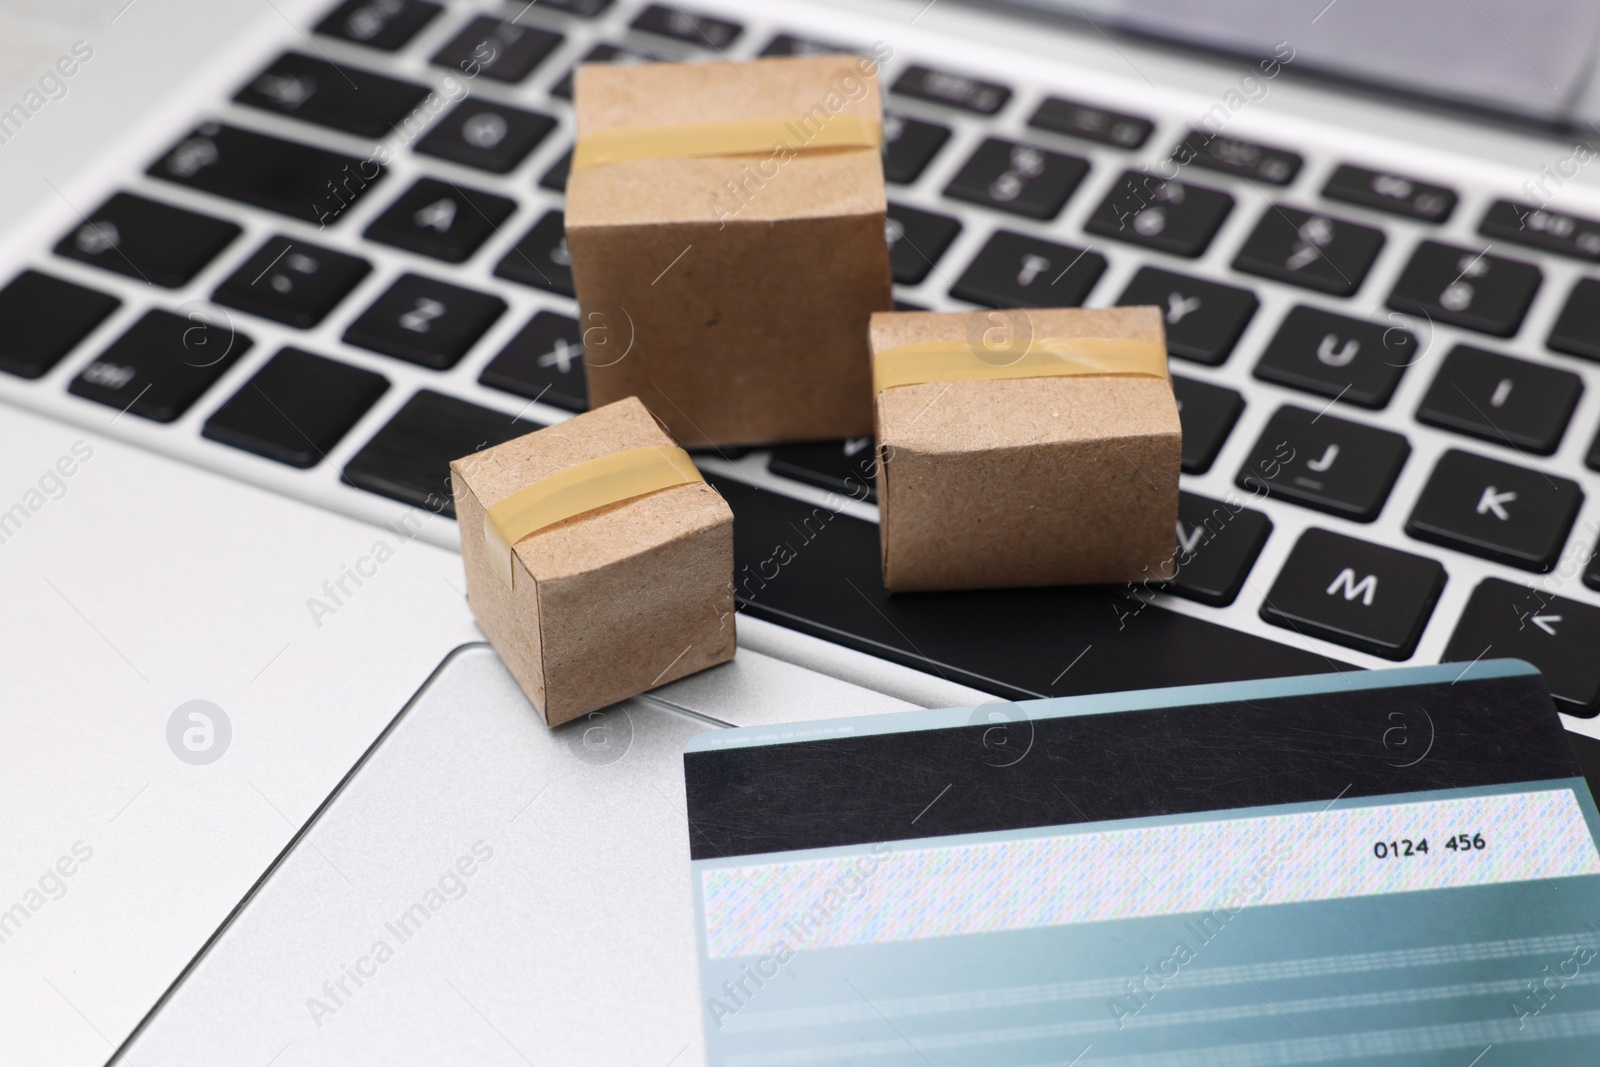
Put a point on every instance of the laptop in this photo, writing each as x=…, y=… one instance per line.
x=269, y=796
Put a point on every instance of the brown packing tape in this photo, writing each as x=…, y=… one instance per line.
x=739, y=138
x=1052, y=357
x=579, y=489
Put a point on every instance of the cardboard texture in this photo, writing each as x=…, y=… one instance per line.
x=608, y=604
x=739, y=287
x=1029, y=481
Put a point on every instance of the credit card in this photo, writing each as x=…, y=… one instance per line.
x=1392, y=866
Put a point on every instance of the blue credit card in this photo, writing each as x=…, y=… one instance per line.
x=1394, y=867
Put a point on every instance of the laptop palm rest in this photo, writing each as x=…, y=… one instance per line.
x=483, y=889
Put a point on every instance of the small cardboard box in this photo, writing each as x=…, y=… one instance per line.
x=1026, y=480
x=613, y=601
x=731, y=293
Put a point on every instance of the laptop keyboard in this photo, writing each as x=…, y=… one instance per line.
x=458, y=277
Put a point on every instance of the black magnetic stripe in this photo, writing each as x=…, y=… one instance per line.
x=1018, y=774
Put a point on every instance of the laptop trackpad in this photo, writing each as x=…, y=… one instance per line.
x=482, y=890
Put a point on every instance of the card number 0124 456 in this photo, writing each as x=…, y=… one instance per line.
x=1405, y=847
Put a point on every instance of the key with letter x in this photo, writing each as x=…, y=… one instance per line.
x=543, y=362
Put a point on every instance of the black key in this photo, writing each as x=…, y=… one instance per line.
x=916, y=241
x=787, y=44
x=293, y=282
x=1591, y=575
x=906, y=305
x=1173, y=217
x=1018, y=178
x=539, y=258
x=543, y=362
x=1391, y=193
x=1091, y=123
x=283, y=176
x=1013, y=642
x=1208, y=413
x=295, y=408
x=441, y=219
x=387, y=25
x=1013, y=270
x=491, y=137
x=1448, y=283
x=1336, y=466
x=586, y=9
x=1538, y=227
x=909, y=145
x=43, y=318
x=1310, y=250
x=1218, y=543
x=1230, y=155
x=425, y=321
x=161, y=365
x=555, y=179
x=848, y=467
x=149, y=240
x=669, y=20
x=1368, y=597
x=497, y=50
x=1557, y=635
x=1577, y=331
x=1593, y=459
x=1203, y=319
x=409, y=459
x=339, y=97
x=616, y=54
x=956, y=90
x=1495, y=510
x=1500, y=399
x=1354, y=361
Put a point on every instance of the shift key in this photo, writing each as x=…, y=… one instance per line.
x=268, y=172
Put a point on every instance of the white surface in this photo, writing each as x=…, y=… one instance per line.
x=574, y=943
x=144, y=585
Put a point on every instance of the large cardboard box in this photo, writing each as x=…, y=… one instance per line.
x=618, y=598
x=731, y=292
x=989, y=480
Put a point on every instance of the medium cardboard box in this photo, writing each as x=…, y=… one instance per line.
x=1028, y=480
x=611, y=602
x=731, y=293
